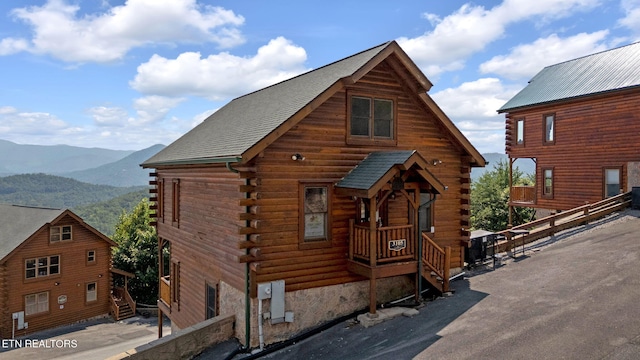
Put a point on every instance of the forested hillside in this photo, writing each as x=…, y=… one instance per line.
x=55, y=191
x=105, y=215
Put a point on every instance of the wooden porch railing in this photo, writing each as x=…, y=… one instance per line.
x=393, y=243
x=121, y=294
x=437, y=260
x=165, y=290
x=522, y=195
x=552, y=224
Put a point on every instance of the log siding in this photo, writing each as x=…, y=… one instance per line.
x=71, y=282
x=591, y=134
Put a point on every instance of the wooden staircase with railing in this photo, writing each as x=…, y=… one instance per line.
x=122, y=304
x=436, y=263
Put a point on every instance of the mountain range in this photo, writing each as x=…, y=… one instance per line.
x=90, y=165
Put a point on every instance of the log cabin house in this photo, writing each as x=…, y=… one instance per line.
x=321, y=195
x=579, y=121
x=54, y=270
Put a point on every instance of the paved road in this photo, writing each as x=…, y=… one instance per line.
x=96, y=339
x=574, y=296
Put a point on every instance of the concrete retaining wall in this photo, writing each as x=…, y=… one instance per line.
x=185, y=343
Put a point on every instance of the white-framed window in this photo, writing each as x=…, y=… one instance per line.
x=42, y=266
x=60, y=233
x=549, y=128
x=36, y=303
x=520, y=132
x=612, y=182
x=91, y=256
x=92, y=291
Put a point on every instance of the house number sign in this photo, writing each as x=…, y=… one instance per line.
x=397, y=245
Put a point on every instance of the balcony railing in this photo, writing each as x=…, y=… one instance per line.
x=165, y=290
x=393, y=243
x=523, y=195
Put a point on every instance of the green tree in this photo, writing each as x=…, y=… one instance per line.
x=490, y=199
x=137, y=252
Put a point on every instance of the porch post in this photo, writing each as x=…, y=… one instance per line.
x=417, y=242
x=373, y=253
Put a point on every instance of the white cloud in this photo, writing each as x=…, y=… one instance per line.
x=151, y=109
x=10, y=46
x=471, y=28
x=112, y=128
x=632, y=15
x=473, y=108
x=222, y=75
x=14, y=122
x=108, y=116
x=60, y=32
x=526, y=60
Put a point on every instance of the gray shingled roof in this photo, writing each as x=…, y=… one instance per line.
x=246, y=120
x=17, y=223
x=372, y=168
x=610, y=70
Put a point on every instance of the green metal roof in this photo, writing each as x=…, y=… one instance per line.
x=602, y=72
x=372, y=168
x=17, y=223
x=246, y=120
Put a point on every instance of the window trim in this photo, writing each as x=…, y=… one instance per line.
x=306, y=244
x=37, y=267
x=519, y=125
x=208, y=285
x=95, y=258
x=175, y=203
x=86, y=292
x=546, y=195
x=604, y=180
x=175, y=283
x=60, y=233
x=545, y=138
x=160, y=200
x=371, y=138
x=43, y=312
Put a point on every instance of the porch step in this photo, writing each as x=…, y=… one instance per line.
x=125, y=311
x=434, y=280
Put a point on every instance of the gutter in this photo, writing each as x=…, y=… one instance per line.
x=195, y=161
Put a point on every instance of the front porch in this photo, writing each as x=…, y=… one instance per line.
x=392, y=192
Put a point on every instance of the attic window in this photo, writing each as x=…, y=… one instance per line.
x=371, y=119
x=60, y=233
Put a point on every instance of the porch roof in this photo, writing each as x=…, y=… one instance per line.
x=379, y=167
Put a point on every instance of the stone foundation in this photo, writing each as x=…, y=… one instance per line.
x=310, y=307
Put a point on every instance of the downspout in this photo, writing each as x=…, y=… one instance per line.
x=247, y=282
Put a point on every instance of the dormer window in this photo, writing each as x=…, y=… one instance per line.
x=60, y=233
x=371, y=119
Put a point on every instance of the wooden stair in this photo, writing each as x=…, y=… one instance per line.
x=125, y=311
x=436, y=263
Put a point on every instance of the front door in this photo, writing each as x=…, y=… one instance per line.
x=425, y=212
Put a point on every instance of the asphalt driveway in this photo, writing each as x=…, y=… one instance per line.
x=572, y=296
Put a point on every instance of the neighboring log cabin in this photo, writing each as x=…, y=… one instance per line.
x=327, y=193
x=54, y=270
x=579, y=121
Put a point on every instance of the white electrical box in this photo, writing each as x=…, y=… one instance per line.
x=277, y=301
x=20, y=317
x=264, y=291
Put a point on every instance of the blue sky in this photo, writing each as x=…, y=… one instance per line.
x=130, y=74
